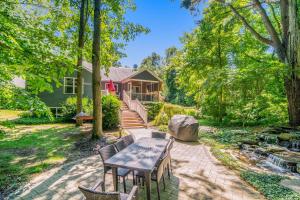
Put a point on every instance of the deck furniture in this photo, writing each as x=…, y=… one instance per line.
x=128, y=139
x=106, y=153
x=158, y=173
x=141, y=156
x=93, y=194
x=168, y=153
x=158, y=134
x=120, y=144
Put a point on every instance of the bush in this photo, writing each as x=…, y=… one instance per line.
x=169, y=110
x=69, y=107
x=14, y=98
x=153, y=109
x=110, y=107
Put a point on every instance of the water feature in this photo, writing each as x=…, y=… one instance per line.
x=295, y=146
x=279, y=164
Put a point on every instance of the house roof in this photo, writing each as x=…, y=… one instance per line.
x=116, y=74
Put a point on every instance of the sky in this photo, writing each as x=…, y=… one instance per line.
x=167, y=22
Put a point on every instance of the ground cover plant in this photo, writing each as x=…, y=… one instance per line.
x=226, y=139
x=25, y=151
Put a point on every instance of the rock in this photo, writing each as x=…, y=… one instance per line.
x=293, y=184
x=184, y=128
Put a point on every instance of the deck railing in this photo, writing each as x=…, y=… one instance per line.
x=137, y=106
x=145, y=96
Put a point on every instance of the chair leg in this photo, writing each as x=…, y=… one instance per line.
x=168, y=168
x=133, y=180
x=103, y=185
x=124, y=184
x=158, y=192
x=163, y=178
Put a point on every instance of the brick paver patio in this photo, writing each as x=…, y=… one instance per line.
x=196, y=175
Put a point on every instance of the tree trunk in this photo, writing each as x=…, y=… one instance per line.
x=292, y=82
x=97, y=104
x=79, y=61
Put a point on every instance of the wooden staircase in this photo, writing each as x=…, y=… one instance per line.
x=130, y=119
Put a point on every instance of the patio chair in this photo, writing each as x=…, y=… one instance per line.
x=120, y=144
x=157, y=174
x=107, y=152
x=92, y=194
x=128, y=139
x=158, y=134
x=168, y=152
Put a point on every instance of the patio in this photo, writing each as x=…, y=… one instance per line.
x=196, y=175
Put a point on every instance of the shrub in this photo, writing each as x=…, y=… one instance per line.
x=14, y=98
x=69, y=107
x=153, y=109
x=169, y=110
x=110, y=107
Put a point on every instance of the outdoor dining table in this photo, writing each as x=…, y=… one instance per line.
x=142, y=156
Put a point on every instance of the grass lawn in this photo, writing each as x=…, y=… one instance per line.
x=225, y=141
x=27, y=150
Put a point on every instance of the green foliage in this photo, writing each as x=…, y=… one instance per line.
x=39, y=151
x=110, y=108
x=269, y=185
x=153, y=108
x=69, y=107
x=230, y=75
x=169, y=110
x=14, y=98
x=35, y=38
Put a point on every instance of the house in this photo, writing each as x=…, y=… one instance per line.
x=141, y=85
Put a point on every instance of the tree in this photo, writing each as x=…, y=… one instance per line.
x=282, y=35
x=82, y=22
x=151, y=62
x=35, y=42
x=97, y=95
x=110, y=26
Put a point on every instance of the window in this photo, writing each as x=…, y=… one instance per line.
x=136, y=89
x=70, y=85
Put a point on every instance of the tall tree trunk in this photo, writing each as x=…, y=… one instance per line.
x=97, y=104
x=79, y=60
x=292, y=82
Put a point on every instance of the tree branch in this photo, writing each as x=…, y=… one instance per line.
x=276, y=19
x=284, y=21
x=268, y=24
x=250, y=28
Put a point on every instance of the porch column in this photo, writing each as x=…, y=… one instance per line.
x=158, y=91
x=141, y=90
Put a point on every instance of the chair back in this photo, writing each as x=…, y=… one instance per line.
x=161, y=167
x=95, y=195
x=128, y=139
x=105, y=153
x=120, y=145
x=158, y=134
x=170, y=144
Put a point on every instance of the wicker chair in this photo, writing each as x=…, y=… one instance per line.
x=157, y=174
x=120, y=144
x=92, y=194
x=107, y=152
x=168, y=156
x=128, y=139
x=158, y=134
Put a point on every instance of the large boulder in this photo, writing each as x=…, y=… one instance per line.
x=184, y=128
